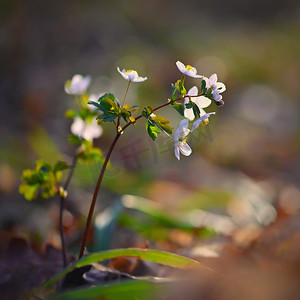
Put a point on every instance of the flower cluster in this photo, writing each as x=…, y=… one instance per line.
x=189, y=104
x=194, y=104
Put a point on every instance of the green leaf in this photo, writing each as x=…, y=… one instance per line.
x=203, y=86
x=179, y=108
x=147, y=111
x=161, y=257
x=125, y=290
x=162, y=123
x=174, y=92
x=107, y=117
x=70, y=113
x=60, y=166
x=152, y=130
x=29, y=191
x=189, y=105
x=196, y=110
x=95, y=104
x=179, y=85
x=74, y=139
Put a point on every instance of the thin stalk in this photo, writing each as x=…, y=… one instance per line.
x=103, y=169
x=61, y=209
x=119, y=118
x=95, y=195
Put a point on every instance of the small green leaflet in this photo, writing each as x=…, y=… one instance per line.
x=153, y=131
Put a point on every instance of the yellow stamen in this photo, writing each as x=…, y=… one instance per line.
x=204, y=122
x=189, y=68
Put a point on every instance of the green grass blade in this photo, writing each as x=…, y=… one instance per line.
x=161, y=257
x=125, y=290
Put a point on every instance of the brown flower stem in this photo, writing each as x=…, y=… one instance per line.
x=98, y=185
x=119, y=118
x=95, y=195
x=61, y=209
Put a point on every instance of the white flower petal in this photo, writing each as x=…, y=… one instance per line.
x=139, y=79
x=185, y=149
x=189, y=114
x=77, y=126
x=177, y=154
x=202, y=112
x=193, y=91
x=202, y=102
x=213, y=79
x=181, y=67
x=202, y=118
x=221, y=87
x=195, y=76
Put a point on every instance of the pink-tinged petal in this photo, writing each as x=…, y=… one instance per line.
x=207, y=82
x=123, y=73
x=77, y=126
x=68, y=87
x=183, y=124
x=177, y=154
x=213, y=79
x=221, y=87
x=202, y=118
x=216, y=96
x=139, y=79
x=193, y=91
x=180, y=66
x=185, y=149
x=195, y=76
x=202, y=102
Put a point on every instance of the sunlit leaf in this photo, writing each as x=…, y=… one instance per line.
x=125, y=290
x=153, y=131
x=161, y=257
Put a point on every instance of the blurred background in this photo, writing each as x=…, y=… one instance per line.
x=245, y=166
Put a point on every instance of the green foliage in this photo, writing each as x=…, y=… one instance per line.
x=74, y=139
x=155, y=123
x=44, y=178
x=109, y=106
x=179, y=85
x=88, y=153
x=153, y=131
x=125, y=290
x=161, y=257
x=203, y=86
x=177, y=106
x=162, y=123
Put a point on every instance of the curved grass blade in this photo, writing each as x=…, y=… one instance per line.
x=125, y=290
x=161, y=257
